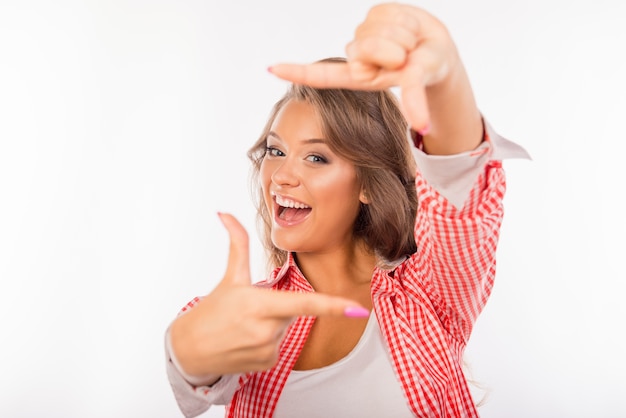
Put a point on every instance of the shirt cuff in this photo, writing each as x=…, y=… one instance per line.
x=194, y=399
x=453, y=176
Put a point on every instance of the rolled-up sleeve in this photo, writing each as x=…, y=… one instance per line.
x=454, y=176
x=194, y=400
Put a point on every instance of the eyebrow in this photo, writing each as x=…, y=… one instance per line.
x=306, y=141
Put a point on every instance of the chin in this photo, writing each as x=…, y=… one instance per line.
x=283, y=246
x=286, y=244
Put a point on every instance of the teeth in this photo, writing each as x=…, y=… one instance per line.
x=290, y=203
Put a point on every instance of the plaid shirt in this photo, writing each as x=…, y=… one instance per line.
x=426, y=306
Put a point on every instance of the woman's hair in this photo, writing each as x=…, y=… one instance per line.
x=367, y=129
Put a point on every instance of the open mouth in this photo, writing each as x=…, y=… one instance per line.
x=290, y=211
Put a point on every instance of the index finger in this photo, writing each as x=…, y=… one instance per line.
x=285, y=304
x=318, y=75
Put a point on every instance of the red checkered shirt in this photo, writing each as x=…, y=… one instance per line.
x=426, y=306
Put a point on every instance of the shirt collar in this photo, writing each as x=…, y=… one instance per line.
x=288, y=271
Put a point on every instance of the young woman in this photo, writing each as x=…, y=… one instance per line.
x=380, y=265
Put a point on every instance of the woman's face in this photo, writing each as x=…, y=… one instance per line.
x=312, y=194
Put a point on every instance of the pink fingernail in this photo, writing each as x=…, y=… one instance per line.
x=425, y=130
x=356, y=312
x=269, y=69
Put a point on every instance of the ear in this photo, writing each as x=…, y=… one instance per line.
x=363, y=197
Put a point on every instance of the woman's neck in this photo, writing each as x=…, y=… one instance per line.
x=340, y=271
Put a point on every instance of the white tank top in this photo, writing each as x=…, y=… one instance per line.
x=362, y=384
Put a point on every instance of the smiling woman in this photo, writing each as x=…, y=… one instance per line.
x=124, y=130
x=365, y=209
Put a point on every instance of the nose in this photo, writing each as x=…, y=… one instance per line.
x=285, y=173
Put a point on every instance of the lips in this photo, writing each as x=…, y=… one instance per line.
x=288, y=211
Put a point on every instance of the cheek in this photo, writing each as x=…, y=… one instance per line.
x=265, y=179
x=340, y=196
x=263, y=172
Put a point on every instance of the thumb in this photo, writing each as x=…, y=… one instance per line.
x=413, y=91
x=238, y=267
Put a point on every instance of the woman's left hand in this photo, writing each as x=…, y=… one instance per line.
x=396, y=45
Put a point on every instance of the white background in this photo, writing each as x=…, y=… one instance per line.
x=123, y=130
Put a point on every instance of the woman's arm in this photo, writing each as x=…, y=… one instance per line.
x=460, y=181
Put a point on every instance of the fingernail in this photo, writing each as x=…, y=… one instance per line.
x=425, y=130
x=219, y=214
x=356, y=312
x=269, y=69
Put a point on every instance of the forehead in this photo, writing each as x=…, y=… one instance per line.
x=298, y=115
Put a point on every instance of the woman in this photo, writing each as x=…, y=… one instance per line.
x=339, y=193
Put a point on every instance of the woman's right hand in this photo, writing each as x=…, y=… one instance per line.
x=238, y=327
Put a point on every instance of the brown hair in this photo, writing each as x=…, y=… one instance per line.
x=367, y=129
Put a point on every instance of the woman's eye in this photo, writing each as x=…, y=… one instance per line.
x=274, y=152
x=316, y=159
